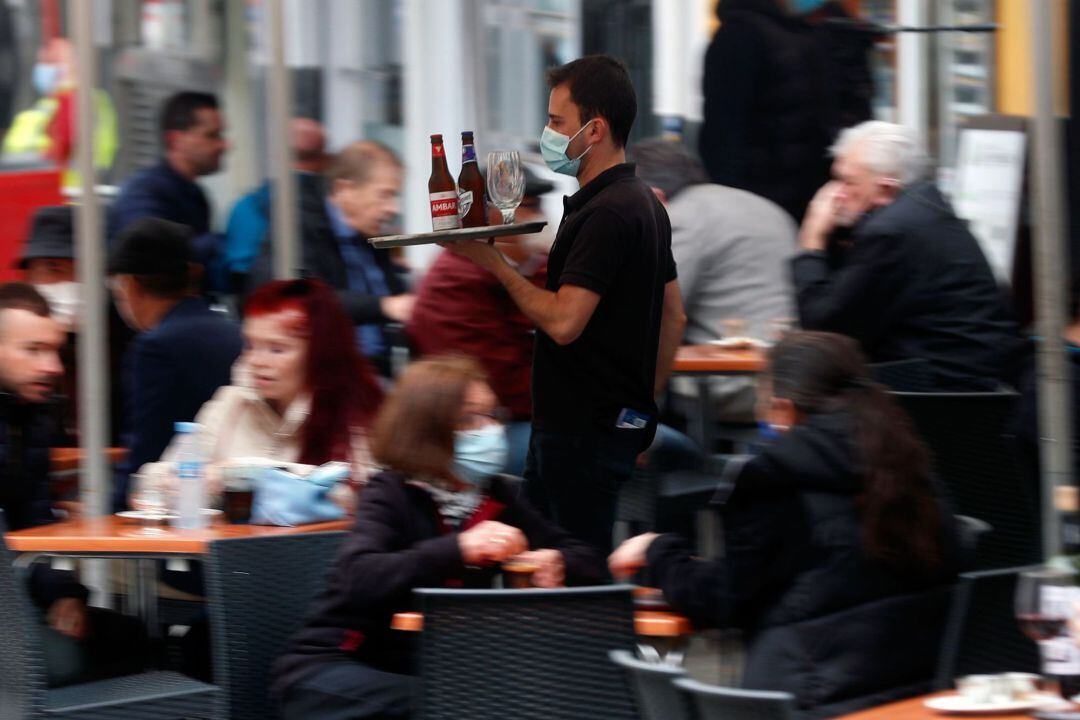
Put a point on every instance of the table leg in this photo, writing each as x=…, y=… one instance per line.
x=663, y=650
x=146, y=591
x=701, y=418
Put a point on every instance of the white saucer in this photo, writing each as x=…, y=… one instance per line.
x=146, y=515
x=960, y=705
x=150, y=516
x=738, y=343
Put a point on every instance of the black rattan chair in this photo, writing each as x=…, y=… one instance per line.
x=975, y=460
x=709, y=702
x=24, y=695
x=259, y=591
x=982, y=635
x=524, y=654
x=912, y=375
x=656, y=696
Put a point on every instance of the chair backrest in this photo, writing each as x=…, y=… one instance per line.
x=982, y=635
x=709, y=702
x=657, y=697
x=911, y=375
x=263, y=587
x=975, y=460
x=22, y=665
x=525, y=654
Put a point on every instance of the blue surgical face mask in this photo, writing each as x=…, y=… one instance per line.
x=553, y=147
x=802, y=7
x=46, y=76
x=480, y=453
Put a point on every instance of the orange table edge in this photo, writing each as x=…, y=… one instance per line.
x=116, y=536
x=66, y=459
x=711, y=359
x=647, y=623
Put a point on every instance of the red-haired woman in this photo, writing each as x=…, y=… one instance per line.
x=301, y=393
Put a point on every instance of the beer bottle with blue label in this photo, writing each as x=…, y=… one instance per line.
x=442, y=192
x=471, y=203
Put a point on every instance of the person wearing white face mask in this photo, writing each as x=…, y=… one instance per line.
x=48, y=263
x=611, y=316
x=436, y=516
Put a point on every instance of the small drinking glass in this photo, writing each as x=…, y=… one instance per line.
x=1043, y=605
x=505, y=182
x=150, y=497
x=777, y=328
x=732, y=328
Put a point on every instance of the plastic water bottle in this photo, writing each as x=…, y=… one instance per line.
x=190, y=464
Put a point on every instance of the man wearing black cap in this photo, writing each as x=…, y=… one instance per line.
x=184, y=351
x=461, y=307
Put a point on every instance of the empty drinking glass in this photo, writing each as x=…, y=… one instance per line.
x=505, y=182
x=150, y=497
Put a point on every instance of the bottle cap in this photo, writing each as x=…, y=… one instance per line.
x=437, y=138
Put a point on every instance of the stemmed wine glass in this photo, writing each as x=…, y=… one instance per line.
x=1043, y=604
x=505, y=182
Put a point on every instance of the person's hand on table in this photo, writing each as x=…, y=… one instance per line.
x=479, y=251
x=67, y=616
x=629, y=557
x=550, y=567
x=491, y=542
x=398, y=307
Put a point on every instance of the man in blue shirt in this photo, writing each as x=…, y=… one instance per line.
x=192, y=130
x=184, y=351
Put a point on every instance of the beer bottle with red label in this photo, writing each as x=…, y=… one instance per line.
x=442, y=192
x=471, y=203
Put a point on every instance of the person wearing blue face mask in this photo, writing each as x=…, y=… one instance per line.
x=436, y=516
x=610, y=316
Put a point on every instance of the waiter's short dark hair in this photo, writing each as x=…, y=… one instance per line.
x=178, y=112
x=600, y=86
x=23, y=296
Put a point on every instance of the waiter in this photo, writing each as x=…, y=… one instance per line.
x=611, y=316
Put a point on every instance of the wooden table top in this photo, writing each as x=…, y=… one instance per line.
x=65, y=459
x=647, y=623
x=913, y=709
x=714, y=360
x=112, y=535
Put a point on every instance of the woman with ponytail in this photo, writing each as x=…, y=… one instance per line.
x=838, y=552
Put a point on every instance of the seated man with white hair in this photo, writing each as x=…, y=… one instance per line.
x=914, y=283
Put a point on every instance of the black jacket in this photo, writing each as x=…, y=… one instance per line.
x=915, y=285
x=169, y=372
x=27, y=431
x=321, y=256
x=396, y=545
x=822, y=620
x=766, y=118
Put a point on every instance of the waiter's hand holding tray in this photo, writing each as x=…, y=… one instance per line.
x=442, y=236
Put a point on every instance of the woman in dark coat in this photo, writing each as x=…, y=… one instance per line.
x=435, y=517
x=838, y=554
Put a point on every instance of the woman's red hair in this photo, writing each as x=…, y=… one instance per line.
x=344, y=392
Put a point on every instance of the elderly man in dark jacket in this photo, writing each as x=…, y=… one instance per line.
x=914, y=283
x=336, y=222
x=80, y=643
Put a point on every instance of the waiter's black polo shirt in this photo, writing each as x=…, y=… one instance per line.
x=615, y=239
